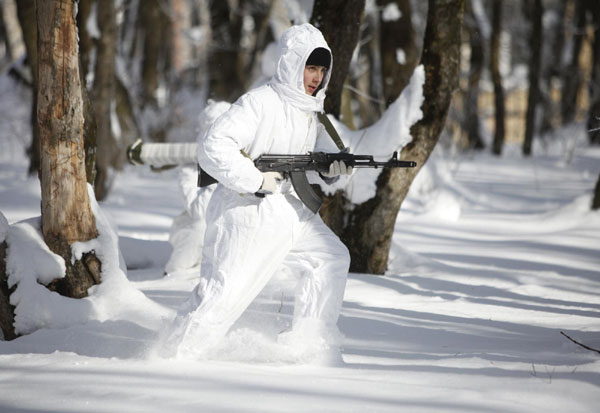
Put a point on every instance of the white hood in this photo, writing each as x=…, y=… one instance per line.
x=295, y=45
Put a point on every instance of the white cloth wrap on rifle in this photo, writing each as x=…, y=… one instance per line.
x=161, y=154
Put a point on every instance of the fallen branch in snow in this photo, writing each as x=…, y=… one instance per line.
x=580, y=344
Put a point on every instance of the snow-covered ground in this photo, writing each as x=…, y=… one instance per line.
x=492, y=259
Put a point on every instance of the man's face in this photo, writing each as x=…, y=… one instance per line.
x=313, y=76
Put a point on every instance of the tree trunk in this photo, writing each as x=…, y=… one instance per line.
x=225, y=63
x=151, y=24
x=7, y=311
x=371, y=225
x=86, y=43
x=572, y=75
x=399, y=49
x=534, y=76
x=340, y=21
x=476, y=62
x=593, y=123
x=596, y=199
x=103, y=94
x=65, y=205
x=11, y=32
x=499, y=111
x=27, y=18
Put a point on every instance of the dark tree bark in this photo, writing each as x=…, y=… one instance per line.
x=369, y=232
x=154, y=30
x=103, y=94
x=339, y=20
x=593, y=123
x=86, y=43
x=27, y=19
x=7, y=311
x=552, y=68
x=572, y=74
x=226, y=67
x=596, y=199
x=499, y=109
x=476, y=63
x=534, y=75
x=397, y=35
x=65, y=205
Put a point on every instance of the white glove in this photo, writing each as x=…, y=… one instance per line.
x=338, y=168
x=270, y=182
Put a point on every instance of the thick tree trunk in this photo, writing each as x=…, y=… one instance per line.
x=499, y=110
x=27, y=18
x=593, y=123
x=399, y=50
x=535, y=66
x=103, y=94
x=66, y=210
x=340, y=21
x=371, y=226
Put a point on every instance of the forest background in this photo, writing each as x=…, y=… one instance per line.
x=495, y=72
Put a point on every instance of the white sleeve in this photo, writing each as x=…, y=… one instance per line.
x=219, y=148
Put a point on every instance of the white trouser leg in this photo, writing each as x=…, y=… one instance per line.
x=322, y=261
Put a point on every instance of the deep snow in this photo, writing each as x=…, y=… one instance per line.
x=492, y=258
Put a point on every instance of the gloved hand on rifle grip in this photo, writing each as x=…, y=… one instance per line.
x=270, y=182
x=337, y=168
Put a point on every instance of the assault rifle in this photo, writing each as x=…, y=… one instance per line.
x=296, y=166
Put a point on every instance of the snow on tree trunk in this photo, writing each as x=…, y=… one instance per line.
x=399, y=50
x=66, y=213
x=499, y=110
x=534, y=76
x=339, y=21
x=372, y=224
x=7, y=311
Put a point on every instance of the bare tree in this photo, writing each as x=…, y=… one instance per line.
x=27, y=19
x=65, y=205
x=593, y=123
x=103, y=96
x=339, y=20
x=399, y=49
x=572, y=73
x=499, y=110
x=596, y=199
x=7, y=310
x=534, y=75
x=226, y=66
x=476, y=63
x=371, y=225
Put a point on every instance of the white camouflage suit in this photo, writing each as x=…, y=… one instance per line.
x=248, y=239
